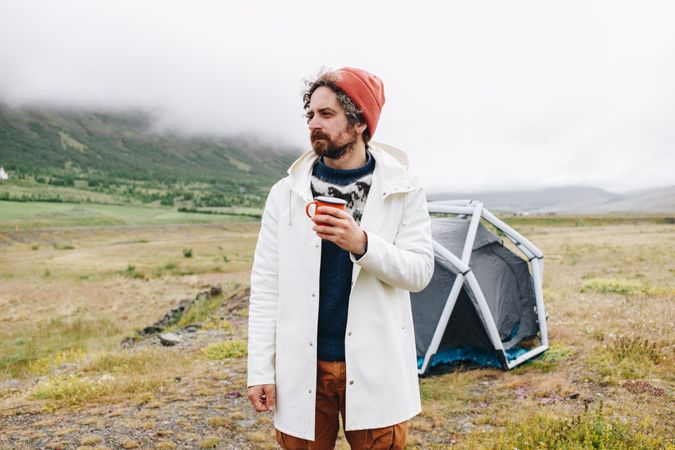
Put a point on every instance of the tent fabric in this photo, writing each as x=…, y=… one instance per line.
x=472, y=355
x=505, y=281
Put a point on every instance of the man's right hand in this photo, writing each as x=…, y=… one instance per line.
x=262, y=397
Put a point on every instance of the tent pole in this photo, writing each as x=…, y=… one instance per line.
x=442, y=322
x=449, y=209
x=471, y=233
x=526, y=356
x=539, y=296
x=510, y=231
x=449, y=303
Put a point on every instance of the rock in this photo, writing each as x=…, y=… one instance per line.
x=169, y=339
x=152, y=330
x=11, y=384
x=467, y=426
x=192, y=328
x=233, y=394
x=130, y=444
x=216, y=290
x=185, y=303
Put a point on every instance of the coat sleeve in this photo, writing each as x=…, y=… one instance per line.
x=262, y=313
x=408, y=262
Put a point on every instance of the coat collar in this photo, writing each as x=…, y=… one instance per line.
x=391, y=171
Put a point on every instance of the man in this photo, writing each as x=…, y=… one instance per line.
x=330, y=324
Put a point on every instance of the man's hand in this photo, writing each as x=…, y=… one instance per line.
x=262, y=397
x=340, y=228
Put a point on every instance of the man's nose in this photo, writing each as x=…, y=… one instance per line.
x=314, y=123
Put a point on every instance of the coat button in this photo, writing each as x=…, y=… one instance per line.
x=351, y=381
x=310, y=344
x=310, y=391
x=349, y=334
x=313, y=294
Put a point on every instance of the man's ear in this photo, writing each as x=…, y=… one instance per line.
x=360, y=128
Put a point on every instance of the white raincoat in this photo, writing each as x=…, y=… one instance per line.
x=382, y=385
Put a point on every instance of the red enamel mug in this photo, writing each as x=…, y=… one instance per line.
x=325, y=201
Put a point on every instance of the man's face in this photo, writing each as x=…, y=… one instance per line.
x=331, y=133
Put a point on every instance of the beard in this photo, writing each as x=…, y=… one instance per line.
x=324, y=145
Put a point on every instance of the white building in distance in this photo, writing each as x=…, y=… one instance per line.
x=3, y=174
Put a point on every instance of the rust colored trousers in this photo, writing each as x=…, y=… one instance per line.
x=330, y=404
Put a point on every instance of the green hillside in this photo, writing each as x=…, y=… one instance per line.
x=118, y=155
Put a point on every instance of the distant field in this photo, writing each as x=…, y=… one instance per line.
x=76, y=279
x=23, y=215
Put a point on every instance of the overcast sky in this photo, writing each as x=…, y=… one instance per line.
x=481, y=94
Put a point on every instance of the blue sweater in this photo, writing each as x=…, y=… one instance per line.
x=336, y=266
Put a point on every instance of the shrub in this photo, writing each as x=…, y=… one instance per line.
x=130, y=272
x=58, y=246
x=187, y=252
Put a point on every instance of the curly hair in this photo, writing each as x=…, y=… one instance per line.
x=353, y=112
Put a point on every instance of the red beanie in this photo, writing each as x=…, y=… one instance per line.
x=366, y=91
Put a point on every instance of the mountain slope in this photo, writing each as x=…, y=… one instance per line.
x=88, y=144
x=573, y=199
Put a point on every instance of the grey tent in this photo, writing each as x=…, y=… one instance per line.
x=485, y=305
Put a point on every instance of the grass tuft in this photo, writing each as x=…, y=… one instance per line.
x=621, y=287
x=210, y=442
x=626, y=358
x=635, y=348
x=111, y=376
x=595, y=430
x=226, y=349
x=22, y=352
x=130, y=272
x=138, y=362
x=627, y=288
x=58, y=246
x=550, y=358
x=47, y=364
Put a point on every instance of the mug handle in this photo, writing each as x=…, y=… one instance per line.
x=307, y=208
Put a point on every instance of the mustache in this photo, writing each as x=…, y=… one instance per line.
x=318, y=134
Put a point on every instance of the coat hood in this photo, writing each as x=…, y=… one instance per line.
x=391, y=169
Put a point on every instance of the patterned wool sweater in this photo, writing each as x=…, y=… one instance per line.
x=336, y=267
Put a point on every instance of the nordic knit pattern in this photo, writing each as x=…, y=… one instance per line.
x=336, y=267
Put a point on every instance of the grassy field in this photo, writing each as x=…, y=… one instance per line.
x=25, y=215
x=76, y=280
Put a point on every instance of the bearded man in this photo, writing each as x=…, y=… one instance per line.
x=330, y=323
